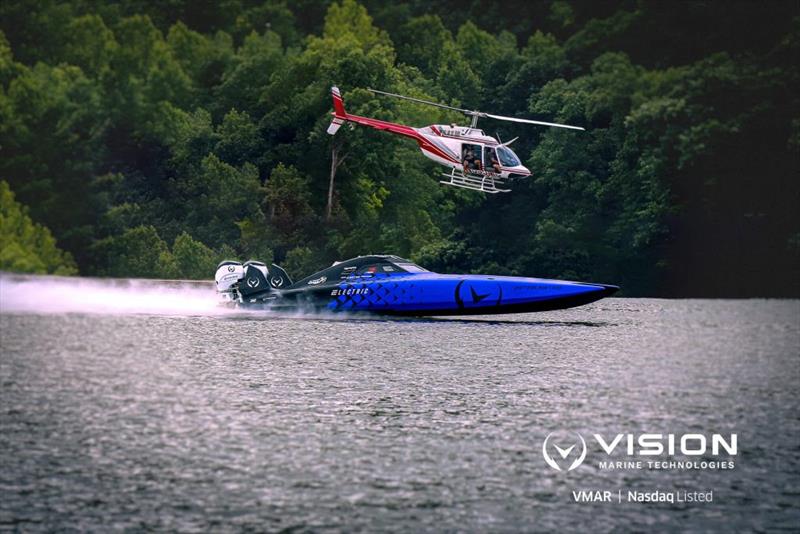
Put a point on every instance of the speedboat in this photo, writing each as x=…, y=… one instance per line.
x=391, y=285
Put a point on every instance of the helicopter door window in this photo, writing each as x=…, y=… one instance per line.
x=471, y=157
x=490, y=160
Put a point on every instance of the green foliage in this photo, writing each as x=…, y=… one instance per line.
x=141, y=253
x=351, y=19
x=288, y=200
x=214, y=199
x=193, y=259
x=248, y=71
x=25, y=246
x=272, y=14
x=301, y=262
x=138, y=252
x=90, y=45
x=130, y=125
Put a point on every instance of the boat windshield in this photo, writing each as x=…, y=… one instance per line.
x=507, y=157
x=411, y=267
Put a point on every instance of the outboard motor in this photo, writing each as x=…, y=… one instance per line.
x=278, y=278
x=255, y=279
x=227, y=277
x=249, y=282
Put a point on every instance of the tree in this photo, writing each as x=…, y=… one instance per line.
x=194, y=260
x=337, y=158
x=212, y=201
x=128, y=125
x=288, y=206
x=50, y=135
x=25, y=246
x=247, y=72
x=138, y=253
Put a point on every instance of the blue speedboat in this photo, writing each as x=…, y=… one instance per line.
x=395, y=286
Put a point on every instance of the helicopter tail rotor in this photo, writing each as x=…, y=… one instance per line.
x=339, y=115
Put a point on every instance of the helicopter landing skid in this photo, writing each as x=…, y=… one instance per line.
x=485, y=183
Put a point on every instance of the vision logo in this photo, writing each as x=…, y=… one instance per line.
x=557, y=454
x=252, y=282
x=565, y=451
x=477, y=297
x=276, y=281
x=470, y=294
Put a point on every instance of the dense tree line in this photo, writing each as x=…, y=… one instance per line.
x=154, y=139
x=25, y=246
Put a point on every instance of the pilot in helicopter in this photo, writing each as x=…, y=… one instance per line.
x=492, y=163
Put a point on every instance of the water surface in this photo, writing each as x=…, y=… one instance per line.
x=157, y=414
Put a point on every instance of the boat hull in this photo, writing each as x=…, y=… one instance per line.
x=430, y=294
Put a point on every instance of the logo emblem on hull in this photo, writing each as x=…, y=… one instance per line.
x=276, y=282
x=563, y=453
x=475, y=296
x=493, y=295
x=231, y=268
x=252, y=282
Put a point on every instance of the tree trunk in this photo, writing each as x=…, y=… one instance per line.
x=334, y=165
x=336, y=160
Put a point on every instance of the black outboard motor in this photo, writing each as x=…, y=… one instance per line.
x=255, y=279
x=278, y=278
x=249, y=282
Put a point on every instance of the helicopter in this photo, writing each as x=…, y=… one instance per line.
x=477, y=161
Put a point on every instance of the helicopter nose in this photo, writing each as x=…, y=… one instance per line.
x=520, y=172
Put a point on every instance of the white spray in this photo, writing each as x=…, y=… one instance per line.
x=54, y=294
x=121, y=296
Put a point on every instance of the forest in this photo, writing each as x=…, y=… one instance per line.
x=153, y=139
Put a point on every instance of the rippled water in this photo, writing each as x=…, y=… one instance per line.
x=155, y=416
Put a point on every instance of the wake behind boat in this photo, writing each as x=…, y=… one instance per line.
x=394, y=286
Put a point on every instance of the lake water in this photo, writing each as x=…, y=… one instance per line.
x=140, y=406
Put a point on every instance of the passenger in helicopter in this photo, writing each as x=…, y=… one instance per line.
x=492, y=163
x=470, y=158
x=467, y=158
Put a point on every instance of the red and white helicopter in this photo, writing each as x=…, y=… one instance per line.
x=477, y=161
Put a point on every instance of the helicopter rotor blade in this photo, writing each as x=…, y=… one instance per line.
x=464, y=111
x=529, y=121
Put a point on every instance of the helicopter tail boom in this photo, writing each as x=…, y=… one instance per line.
x=340, y=116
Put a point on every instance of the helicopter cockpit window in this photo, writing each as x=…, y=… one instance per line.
x=471, y=156
x=507, y=157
